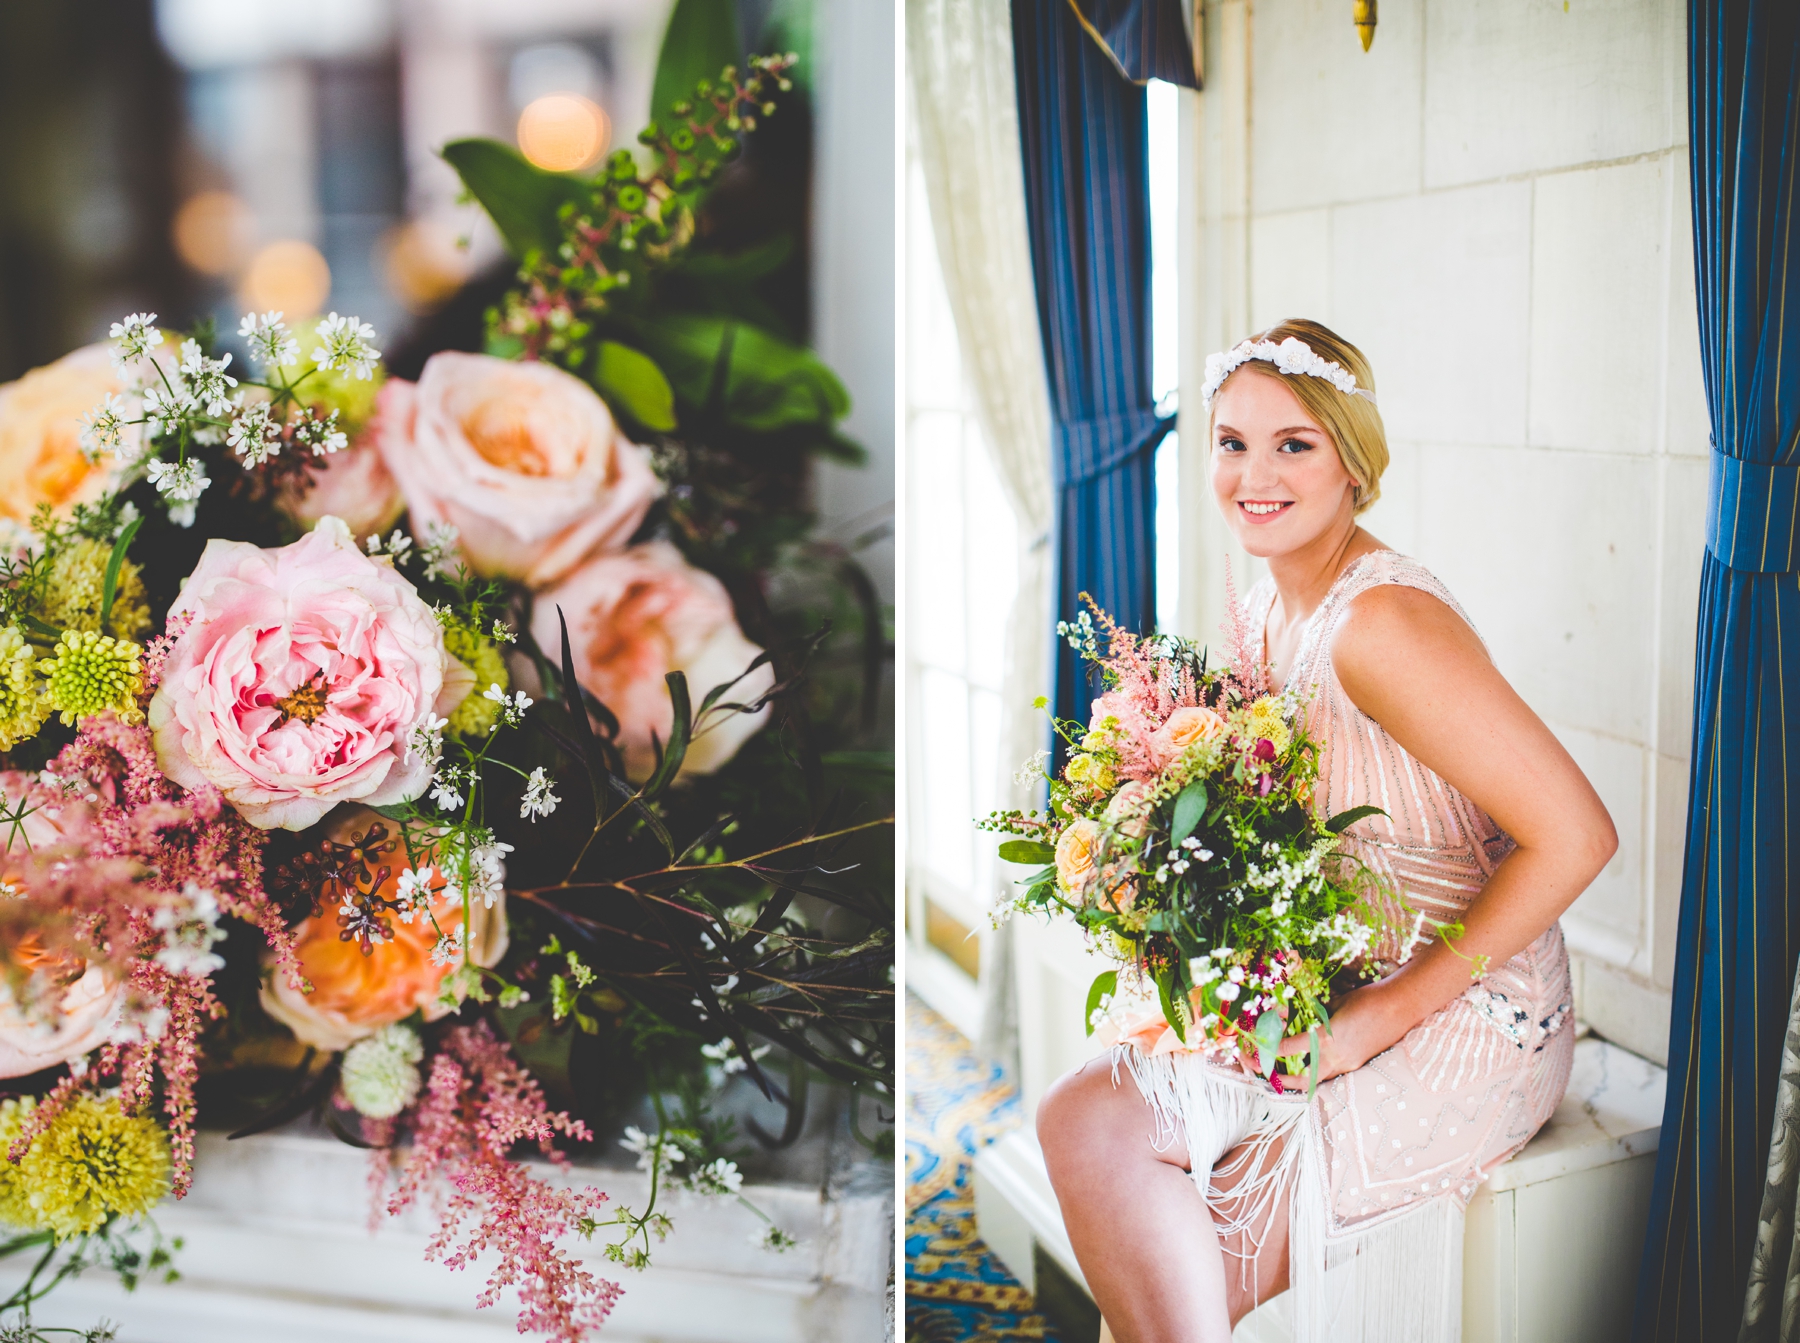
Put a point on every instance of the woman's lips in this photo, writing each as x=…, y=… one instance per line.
x=1261, y=511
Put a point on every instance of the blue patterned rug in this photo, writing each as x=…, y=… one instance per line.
x=956, y=1291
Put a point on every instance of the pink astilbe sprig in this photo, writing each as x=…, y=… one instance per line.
x=178, y=835
x=478, y=1103
x=1143, y=689
x=1245, y=661
x=131, y=846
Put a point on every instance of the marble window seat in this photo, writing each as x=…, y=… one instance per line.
x=278, y=1249
x=1551, y=1246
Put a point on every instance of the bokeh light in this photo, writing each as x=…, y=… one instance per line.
x=422, y=263
x=213, y=232
x=289, y=277
x=563, y=131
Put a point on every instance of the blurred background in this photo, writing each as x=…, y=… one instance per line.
x=204, y=157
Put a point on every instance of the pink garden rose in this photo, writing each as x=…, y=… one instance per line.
x=300, y=679
x=354, y=485
x=523, y=459
x=633, y=618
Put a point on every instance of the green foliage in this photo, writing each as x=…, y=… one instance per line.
x=631, y=382
x=701, y=40
x=524, y=201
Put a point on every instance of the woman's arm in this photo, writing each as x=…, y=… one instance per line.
x=1413, y=665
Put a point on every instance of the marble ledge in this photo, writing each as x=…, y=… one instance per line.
x=1612, y=1111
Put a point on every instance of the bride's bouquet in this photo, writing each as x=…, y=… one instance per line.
x=1181, y=834
x=471, y=763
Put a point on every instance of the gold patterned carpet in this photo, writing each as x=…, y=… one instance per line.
x=956, y=1291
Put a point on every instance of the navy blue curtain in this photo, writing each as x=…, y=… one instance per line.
x=1740, y=899
x=1082, y=134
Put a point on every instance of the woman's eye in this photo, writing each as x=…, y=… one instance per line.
x=1296, y=445
x=1230, y=445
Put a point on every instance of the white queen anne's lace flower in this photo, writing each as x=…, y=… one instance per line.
x=1292, y=356
x=538, y=799
x=189, y=930
x=136, y=336
x=208, y=385
x=344, y=346
x=254, y=435
x=103, y=430
x=271, y=344
x=181, y=482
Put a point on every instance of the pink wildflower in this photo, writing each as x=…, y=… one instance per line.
x=477, y=1104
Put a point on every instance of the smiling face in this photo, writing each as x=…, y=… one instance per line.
x=1276, y=475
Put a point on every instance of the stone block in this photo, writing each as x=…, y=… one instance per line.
x=1611, y=910
x=1599, y=243
x=1553, y=555
x=1519, y=86
x=1667, y=856
x=1436, y=291
x=1330, y=123
x=1395, y=516
x=1688, y=424
x=1682, y=551
x=1290, y=267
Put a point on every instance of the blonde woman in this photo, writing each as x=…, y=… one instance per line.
x=1191, y=1192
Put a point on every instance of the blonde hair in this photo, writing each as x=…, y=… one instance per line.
x=1353, y=422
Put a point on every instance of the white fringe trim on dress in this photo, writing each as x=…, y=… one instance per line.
x=1399, y=1281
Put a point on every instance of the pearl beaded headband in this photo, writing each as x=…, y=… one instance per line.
x=1292, y=356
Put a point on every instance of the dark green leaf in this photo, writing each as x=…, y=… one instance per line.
x=520, y=199
x=1267, y=1036
x=1190, y=806
x=1165, y=994
x=632, y=383
x=700, y=41
x=681, y=728
x=1344, y=819
x=1105, y=983
x=1027, y=851
x=113, y=565
x=760, y=381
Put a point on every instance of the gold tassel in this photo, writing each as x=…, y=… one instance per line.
x=1364, y=17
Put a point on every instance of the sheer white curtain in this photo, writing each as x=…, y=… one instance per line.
x=961, y=67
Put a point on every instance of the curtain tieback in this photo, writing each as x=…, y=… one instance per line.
x=1083, y=449
x=1753, y=515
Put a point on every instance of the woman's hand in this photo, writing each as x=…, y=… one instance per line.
x=1364, y=1022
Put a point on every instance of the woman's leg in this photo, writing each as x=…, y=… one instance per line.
x=1147, y=1243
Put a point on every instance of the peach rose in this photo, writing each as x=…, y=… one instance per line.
x=300, y=680
x=41, y=415
x=356, y=995
x=633, y=618
x=523, y=459
x=1184, y=728
x=353, y=485
x=1126, y=810
x=1076, y=855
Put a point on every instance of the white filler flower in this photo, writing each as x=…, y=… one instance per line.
x=381, y=1074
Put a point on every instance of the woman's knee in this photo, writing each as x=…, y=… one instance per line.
x=1077, y=1110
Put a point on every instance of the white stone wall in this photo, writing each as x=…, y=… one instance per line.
x=1493, y=203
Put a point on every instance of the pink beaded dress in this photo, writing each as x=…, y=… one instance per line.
x=1381, y=1163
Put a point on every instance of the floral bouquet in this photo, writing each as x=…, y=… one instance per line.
x=470, y=763
x=1181, y=834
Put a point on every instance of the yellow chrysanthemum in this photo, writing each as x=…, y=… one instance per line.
x=1266, y=721
x=24, y=702
x=73, y=596
x=90, y=673
x=1089, y=771
x=93, y=1162
x=476, y=715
